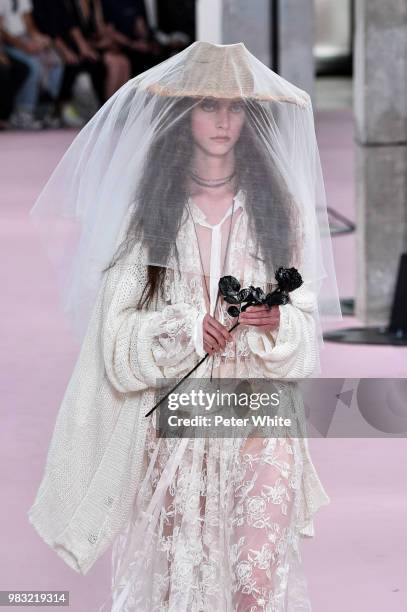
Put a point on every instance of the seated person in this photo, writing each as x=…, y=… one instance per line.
x=57, y=20
x=92, y=40
x=25, y=43
x=131, y=30
x=12, y=76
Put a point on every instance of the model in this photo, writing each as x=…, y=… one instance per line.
x=203, y=167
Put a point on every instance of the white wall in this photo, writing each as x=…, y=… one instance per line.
x=209, y=21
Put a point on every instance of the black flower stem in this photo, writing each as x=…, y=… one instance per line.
x=234, y=326
x=185, y=377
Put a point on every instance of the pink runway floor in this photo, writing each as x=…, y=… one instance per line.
x=357, y=560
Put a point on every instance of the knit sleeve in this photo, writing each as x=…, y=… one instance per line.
x=141, y=346
x=291, y=350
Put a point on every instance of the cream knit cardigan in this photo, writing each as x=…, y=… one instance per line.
x=95, y=457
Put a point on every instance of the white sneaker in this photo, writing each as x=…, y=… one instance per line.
x=24, y=120
x=52, y=122
x=71, y=117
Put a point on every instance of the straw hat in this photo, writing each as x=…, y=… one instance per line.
x=219, y=71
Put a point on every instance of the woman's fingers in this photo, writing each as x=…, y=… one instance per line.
x=211, y=344
x=215, y=328
x=208, y=349
x=215, y=335
x=211, y=341
x=261, y=316
x=256, y=317
x=219, y=328
x=257, y=311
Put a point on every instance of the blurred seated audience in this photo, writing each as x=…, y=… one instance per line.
x=128, y=20
x=25, y=43
x=86, y=45
x=48, y=44
x=58, y=19
x=89, y=39
x=12, y=75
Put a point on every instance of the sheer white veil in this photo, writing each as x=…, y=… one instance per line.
x=122, y=176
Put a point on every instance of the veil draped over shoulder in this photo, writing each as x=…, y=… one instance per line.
x=124, y=177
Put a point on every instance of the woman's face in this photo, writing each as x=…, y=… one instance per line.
x=216, y=125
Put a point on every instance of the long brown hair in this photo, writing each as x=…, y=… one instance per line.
x=256, y=174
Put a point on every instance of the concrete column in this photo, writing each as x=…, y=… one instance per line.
x=251, y=22
x=380, y=94
x=296, y=43
x=208, y=19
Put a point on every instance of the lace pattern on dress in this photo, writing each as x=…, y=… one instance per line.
x=225, y=535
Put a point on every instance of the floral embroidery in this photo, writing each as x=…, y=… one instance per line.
x=226, y=538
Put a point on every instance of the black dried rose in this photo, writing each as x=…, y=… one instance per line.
x=232, y=298
x=228, y=285
x=243, y=294
x=260, y=295
x=233, y=311
x=256, y=295
x=276, y=298
x=288, y=279
x=250, y=295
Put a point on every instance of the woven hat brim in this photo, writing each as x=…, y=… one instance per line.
x=161, y=90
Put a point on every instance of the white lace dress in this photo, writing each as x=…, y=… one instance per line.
x=216, y=523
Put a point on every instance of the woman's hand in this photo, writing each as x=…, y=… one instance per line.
x=140, y=45
x=30, y=46
x=262, y=317
x=42, y=40
x=70, y=57
x=4, y=60
x=215, y=335
x=88, y=53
